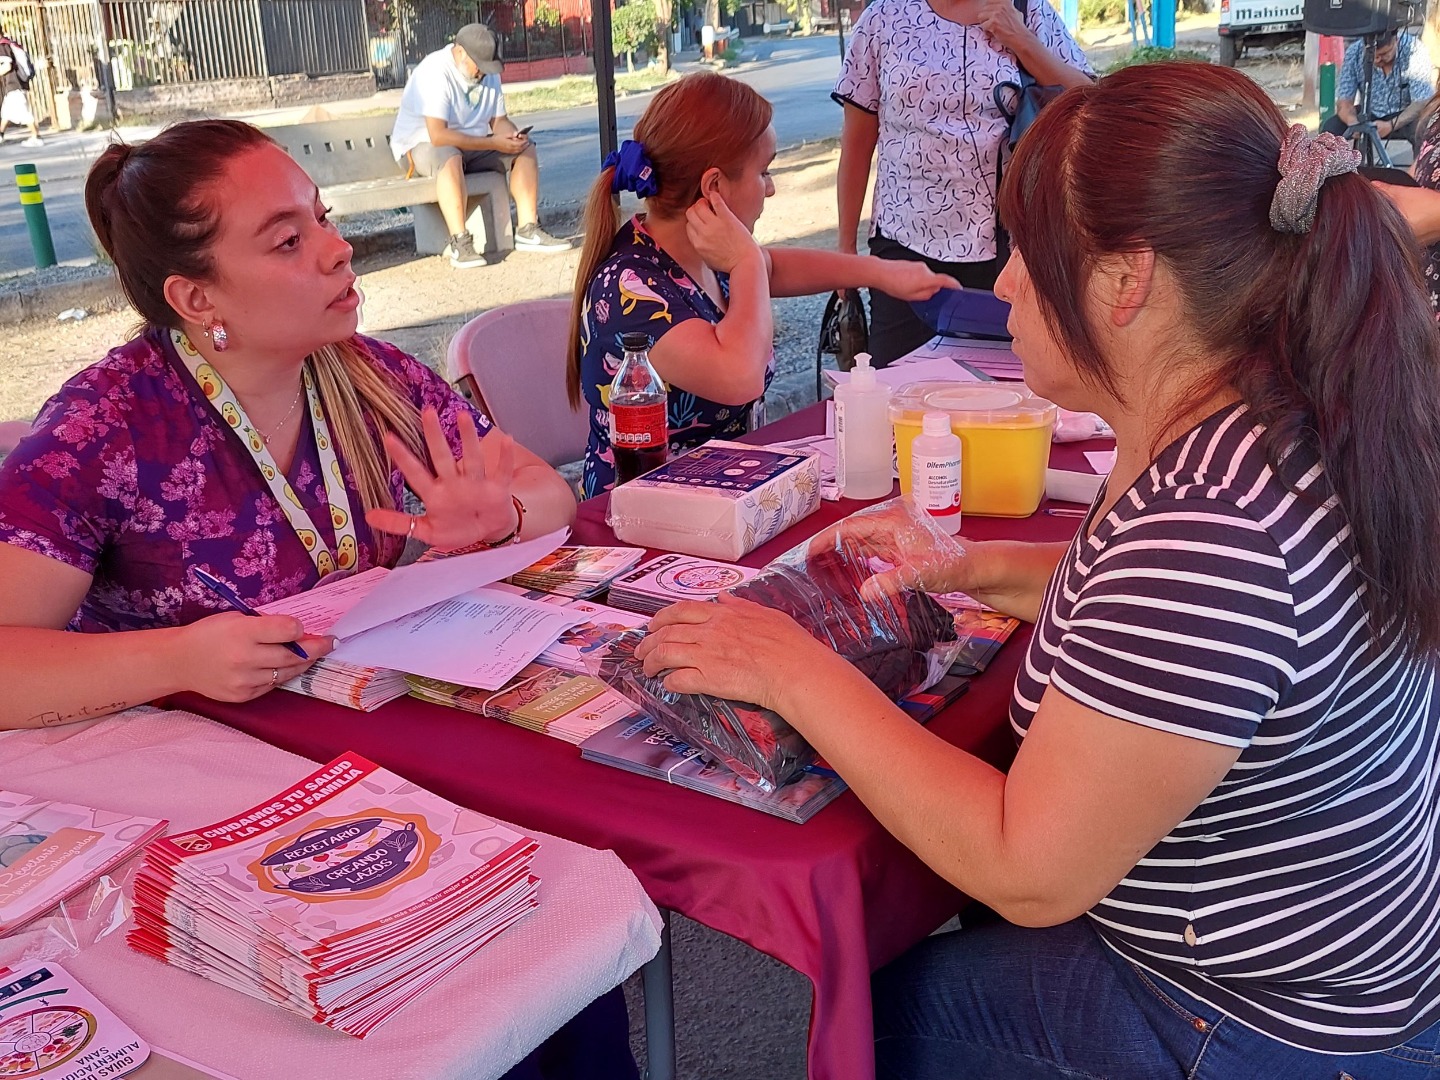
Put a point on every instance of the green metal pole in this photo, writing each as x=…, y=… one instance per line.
x=1327, y=92
x=28, y=181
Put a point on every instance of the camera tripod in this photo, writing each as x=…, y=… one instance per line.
x=1372, y=146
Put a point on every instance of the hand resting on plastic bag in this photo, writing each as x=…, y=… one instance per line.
x=712, y=674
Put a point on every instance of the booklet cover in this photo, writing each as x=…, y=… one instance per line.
x=49, y=850
x=544, y=699
x=670, y=578
x=578, y=571
x=602, y=625
x=52, y=1028
x=981, y=631
x=347, y=848
x=637, y=744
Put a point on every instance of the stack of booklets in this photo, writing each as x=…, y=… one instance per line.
x=580, y=572
x=352, y=685
x=639, y=745
x=341, y=898
x=51, y=850
x=544, y=699
x=602, y=625
x=669, y=578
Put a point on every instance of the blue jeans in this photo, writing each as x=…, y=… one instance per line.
x=1003, y=1002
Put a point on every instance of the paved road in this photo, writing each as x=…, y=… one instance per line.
x=796, y=74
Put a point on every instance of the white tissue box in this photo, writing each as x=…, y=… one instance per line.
x=719, y=501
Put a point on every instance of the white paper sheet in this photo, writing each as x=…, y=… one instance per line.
x=937, y=368
x=413, y=588
x=1102, y=461
x=480, y=638
x=320, y=608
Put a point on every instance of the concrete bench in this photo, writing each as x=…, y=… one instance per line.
x=350, y=161
x=784, y=26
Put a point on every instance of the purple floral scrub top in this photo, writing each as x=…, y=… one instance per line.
x=639, y=288
x=130, y=475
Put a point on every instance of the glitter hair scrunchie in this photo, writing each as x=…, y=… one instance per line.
x=633, y=171
x=1306, y=162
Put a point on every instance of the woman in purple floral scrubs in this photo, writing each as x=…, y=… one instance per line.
x=247, y=431
x=689, y=273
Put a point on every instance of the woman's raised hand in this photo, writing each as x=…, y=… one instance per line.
x=467, y=499
x=718, y=235
x=907, y=280
x=237, y=657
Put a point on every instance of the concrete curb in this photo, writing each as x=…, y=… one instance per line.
x=44, y=301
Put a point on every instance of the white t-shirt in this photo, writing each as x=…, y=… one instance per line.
x=438, y=89
x=931, y=83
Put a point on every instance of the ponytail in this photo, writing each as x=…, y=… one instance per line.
x=602, y=222
x=1355, y=374
x=1326, y=335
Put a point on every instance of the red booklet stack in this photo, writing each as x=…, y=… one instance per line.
x=341, y=898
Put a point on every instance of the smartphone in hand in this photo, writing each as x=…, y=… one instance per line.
x=525, y=130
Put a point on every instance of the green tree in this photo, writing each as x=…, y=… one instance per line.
x=632, y=28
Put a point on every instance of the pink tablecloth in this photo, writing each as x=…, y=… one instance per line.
x=834, y=898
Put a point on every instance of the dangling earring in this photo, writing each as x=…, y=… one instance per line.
x=216, y=333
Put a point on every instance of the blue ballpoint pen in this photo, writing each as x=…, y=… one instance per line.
x=220, y=589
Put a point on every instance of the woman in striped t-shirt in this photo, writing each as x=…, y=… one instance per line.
x=1216, y=848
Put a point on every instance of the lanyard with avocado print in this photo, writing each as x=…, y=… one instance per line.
x=224, y=402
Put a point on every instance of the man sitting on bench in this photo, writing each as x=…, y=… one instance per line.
x=452, y=121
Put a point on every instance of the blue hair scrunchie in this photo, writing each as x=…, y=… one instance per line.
x=633, y=171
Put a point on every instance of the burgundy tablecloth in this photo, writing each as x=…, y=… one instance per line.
x=834, y=898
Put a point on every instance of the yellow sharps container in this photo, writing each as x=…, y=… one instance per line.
x=1004, y=434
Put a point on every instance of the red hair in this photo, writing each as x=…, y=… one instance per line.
x=699, y=122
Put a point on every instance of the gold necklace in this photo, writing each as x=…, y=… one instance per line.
x=293, y=406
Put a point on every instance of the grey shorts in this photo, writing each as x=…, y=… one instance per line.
x=429, y=159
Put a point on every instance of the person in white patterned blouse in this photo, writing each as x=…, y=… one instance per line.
x=918, y=87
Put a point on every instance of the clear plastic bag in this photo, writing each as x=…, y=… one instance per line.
x=76, y=923
x=898, y=636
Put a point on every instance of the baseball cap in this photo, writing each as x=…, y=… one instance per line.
x=480, y=45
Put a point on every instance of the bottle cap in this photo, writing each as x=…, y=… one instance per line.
x=935, y=423
x=634, y=341
x=862, y=375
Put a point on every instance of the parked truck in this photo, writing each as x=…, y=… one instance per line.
x=1258, y=22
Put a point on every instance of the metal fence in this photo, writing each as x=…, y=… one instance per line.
x=162, y=42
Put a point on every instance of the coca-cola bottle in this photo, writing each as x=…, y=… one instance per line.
x=639, y=431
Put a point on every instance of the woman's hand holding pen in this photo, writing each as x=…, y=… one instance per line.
x=467, y=499
x=236, y=657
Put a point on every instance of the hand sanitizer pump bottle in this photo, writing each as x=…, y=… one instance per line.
x=864, y=440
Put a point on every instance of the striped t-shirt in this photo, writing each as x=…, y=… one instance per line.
x=1302, y=897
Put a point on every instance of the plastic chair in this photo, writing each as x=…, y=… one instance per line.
x=511, y=363
x=11, y=432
